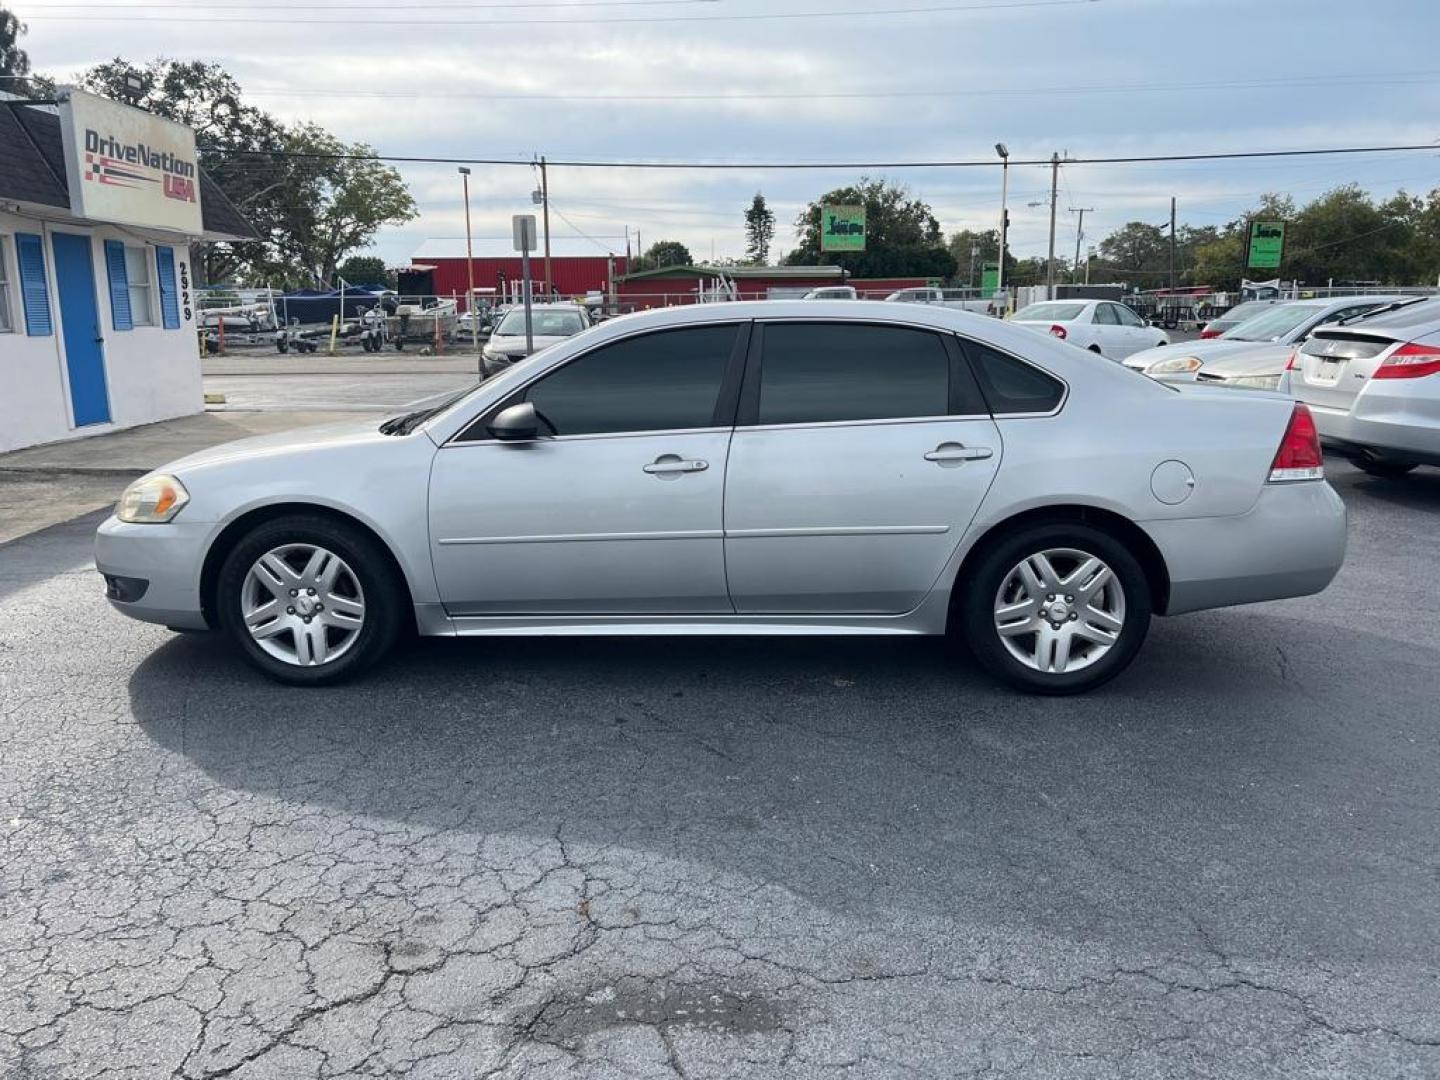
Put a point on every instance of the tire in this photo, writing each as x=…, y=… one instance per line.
x=1096, y=350
x=365, y=582
x=1388, y=470
x=1122, y=598
x=282, y=346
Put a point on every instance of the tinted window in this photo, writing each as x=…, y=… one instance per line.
x=1127, y=317
x=1011, y=386
x=812, y=372
x=1427, y=311
x=657, y=382
x=1105, y=313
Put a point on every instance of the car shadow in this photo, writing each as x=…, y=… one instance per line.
x=862, y=772
x=30, y=559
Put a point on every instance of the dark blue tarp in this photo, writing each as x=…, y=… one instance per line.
x=322, y=305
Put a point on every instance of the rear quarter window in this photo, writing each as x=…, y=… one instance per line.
x=1010, y=385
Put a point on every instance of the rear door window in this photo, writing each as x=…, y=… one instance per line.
x=825, y=372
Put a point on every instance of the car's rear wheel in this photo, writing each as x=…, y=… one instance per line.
x=1387, y=469
x=309, y=599
x=1056, y=608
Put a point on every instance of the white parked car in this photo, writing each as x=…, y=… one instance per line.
x=1102, y=326
x=832, y=292
x=549, y=323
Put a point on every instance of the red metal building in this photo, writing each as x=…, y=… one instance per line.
x=578, y=266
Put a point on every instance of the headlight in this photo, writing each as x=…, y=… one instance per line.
x=1174, y=365
x=1255, y=382
x=152, y=500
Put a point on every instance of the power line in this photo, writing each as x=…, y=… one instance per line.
x=389, y=7
x=857, y=95
x=984, y=163
x=746, y=17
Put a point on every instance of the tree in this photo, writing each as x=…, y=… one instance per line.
x=1138, y=250
x=902, y=235
x=759, y=230
x=665, y=253
x=15, y=76
x=365, y=270
x=336, y=197
x=984, y=246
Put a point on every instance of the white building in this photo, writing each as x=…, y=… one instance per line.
x=99, y=203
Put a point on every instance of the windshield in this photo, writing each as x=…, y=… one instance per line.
x=1049, y=312
x=405, y=423
x=544, y=323
x=1404, y=315
x=1272, y=324
x=1240, y=312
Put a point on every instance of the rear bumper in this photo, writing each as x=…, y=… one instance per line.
x=1390, y=425
x=167, y=558
x=1290, y=543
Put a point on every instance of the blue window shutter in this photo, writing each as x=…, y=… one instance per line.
x=34, y=289
x=169, y=299
x=119, y=285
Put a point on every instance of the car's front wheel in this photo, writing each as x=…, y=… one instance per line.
x=1056, y=608
x=310, y=600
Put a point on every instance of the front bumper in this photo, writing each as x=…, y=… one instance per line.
x=167, y=558
x=1290, y=543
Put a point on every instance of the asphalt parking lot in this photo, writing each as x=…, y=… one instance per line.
x=728, y=858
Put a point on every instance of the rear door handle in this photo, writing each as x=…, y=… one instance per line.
x=956, y=452
x=674, y=464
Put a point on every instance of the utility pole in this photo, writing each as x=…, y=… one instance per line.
x=1054, y=194
x=973, y=249
x=545, y=211
x=1172, y=244
x=1080, y=235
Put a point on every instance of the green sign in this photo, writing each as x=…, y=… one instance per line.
x=1267, y=244
x=989, y=278
x=842, y=228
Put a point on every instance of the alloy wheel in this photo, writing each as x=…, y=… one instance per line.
x=1059, y=610
x=302, y=604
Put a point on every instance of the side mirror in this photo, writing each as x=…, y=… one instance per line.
x=517, y=423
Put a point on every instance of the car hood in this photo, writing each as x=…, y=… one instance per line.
x=280, y=443
x=1264, y=360
x=1204, y=351
x=505, y=343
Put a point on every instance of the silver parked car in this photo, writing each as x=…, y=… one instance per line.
x=1374, y=387
x=1283, y=325
x=778, y=467
x=549, y=323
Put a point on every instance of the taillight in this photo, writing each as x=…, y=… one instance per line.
x=1411, y=361
x=1208, y=333
x=1058, y=331
x=1299, y=455
x=1292, y=363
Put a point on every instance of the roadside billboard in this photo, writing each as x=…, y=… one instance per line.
x=129, y=167
x=842, y=228
x=989, y=278
x=1267, y=244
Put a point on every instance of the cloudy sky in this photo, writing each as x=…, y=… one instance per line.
x=747, y=81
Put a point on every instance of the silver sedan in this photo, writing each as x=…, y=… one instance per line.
x=752, y=468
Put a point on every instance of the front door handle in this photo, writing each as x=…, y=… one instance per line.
x=669, y=466
x=951, y=453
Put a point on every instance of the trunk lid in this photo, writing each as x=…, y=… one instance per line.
x=1333, y=366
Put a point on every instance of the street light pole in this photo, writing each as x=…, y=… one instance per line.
x=1004, y=153
x=470, y=269
x=545, y=212
x=1054, y=194
x=1079, y=235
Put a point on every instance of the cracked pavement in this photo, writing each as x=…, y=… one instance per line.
x=727, y=858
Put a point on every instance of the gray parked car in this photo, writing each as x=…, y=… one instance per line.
x=779, y=467
x=1374, y=387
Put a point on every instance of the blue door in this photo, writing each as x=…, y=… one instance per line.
x=80, y=328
